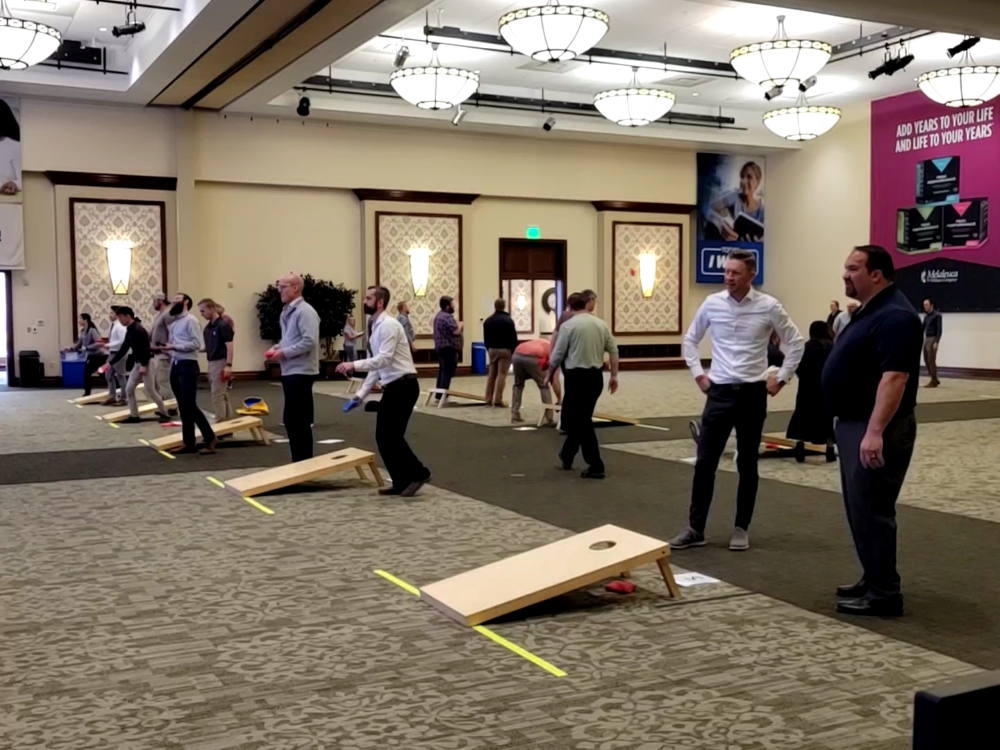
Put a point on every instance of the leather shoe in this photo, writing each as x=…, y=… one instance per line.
x=390, y=490
x=592, y=474
x=853, y=591
x=866, y=606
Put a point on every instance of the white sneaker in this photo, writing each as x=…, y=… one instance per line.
x=740, y=540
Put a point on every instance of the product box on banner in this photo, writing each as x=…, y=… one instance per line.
x=966, y=224
x=920, y=229
x=938, y=180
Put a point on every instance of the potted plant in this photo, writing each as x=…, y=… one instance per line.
x=333, y=303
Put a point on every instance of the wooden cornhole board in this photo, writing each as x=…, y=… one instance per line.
x=485, y=593
x=150, y=408
x=353, y=384
x=100, y=398
x=786, y=443
x=305, y=471
x=253, y=424
x=446, y=394
x=546, y=408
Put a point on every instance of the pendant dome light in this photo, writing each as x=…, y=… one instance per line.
x=782, y=60
x=636, y=105
x=435, y=86
x=964, y=85
x=24, y=43
x=803, y=122
x=553, y=32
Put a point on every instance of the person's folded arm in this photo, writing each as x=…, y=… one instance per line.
x=789, y=334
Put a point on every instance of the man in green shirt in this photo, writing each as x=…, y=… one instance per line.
x=580, y=348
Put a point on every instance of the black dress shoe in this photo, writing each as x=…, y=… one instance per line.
x=591, y=474
x=868, y=607
x=563, y=466
x=389, y=491
x=854, y=591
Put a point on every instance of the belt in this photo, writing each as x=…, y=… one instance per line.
x=739, y=386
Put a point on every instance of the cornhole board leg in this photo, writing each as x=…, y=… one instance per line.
x=579, y=561
x=119, y=416
x=668, y=577
x=554, y=409
x=301, y=471
x=441, y=393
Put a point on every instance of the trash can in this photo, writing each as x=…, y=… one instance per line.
x=479, y=359
x=29, y=366
x=73, y=366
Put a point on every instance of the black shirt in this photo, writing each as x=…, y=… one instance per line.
x=217, y=334
x=883, y=336
x=499, y=332
x=136, y=341
x=932, y=324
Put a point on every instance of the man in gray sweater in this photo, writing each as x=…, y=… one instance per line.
x=185, y=342
x=159, y=335
x=298, y=353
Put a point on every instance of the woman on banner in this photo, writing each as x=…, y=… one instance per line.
x=739, y=214
x=10, y=151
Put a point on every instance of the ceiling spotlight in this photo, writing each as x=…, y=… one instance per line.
x=891, y=65
x=303, y=109
x=131, y=27
x=807, y=84
x=774, y=93
x=963, y=46
x=459, y=116
x=401, y=56
x=549, y=124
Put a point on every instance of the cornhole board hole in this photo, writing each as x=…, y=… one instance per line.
x=784, y=443
x=505, y=586
x=100, y=398
x=305, y=471
x=150, y=408
x=253, y=424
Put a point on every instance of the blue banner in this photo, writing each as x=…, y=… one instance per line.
x=730, y=213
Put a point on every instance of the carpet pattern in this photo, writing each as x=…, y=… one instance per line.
x=163, y=612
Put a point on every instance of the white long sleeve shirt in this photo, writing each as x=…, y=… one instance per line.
x=117, y=337
x=391, y=358
x=740, y=334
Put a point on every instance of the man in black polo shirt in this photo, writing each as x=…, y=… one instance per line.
x=219, y=352
x=870, y=387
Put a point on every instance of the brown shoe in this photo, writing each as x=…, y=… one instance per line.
x=209, y=448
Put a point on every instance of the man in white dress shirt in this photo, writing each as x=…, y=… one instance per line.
x=391, y=364
x=741, y=319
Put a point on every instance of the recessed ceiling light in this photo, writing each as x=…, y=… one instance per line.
x=103, y=28
x=695, y=93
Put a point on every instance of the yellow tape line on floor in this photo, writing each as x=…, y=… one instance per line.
x=171, y=456
x=498, y=639
x=259, y=506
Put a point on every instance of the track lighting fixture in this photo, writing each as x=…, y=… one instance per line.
x=774, y=93
x=807, y=84
x=891, y=65
x=459, y=116
x=131, y=27
x=549, y=124
x=963, y=46
x=303, y=108
x=402, y=55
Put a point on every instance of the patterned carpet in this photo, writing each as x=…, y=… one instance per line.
x=162, y=612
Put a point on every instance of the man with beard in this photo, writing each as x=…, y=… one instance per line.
x=391, y=364
x=298, y=353
x=447, y=342
x=185, y=343
x=870, y=386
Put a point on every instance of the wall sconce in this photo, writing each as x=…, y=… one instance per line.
x=521, y=301
x=647, y=273
x=420, y=269
x=119, y=264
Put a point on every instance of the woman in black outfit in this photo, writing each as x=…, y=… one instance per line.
x=810, y=422
x=89, y=342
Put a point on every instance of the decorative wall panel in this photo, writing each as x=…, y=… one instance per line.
x=441, y=235
x=632, y=312
x=93, y=223
x=524, y=320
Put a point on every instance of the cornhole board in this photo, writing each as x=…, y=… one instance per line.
x=597, y=415
x=555, y=409
x=353, y=384
x=100, y=398
x=150, y=408
x=305, y=471
x=446, y=394
x=505, y=586
x=253, y=424
x=783, y=442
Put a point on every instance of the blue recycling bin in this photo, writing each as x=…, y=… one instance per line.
x=479, y=359
x=73, y=370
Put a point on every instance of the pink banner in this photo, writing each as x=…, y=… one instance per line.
x=935, y=177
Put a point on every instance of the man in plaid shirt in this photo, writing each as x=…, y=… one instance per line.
x=447, y=342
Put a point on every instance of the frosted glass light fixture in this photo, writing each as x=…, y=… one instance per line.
x=24, y=43
x=553, y=32
x=420, y=269
x=803, y=122
x=434, y=86
x=647, y=273
x=967, y=85
x=119, y=264
x=636, y=105
x=781, y=60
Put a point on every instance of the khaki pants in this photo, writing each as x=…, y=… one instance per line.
x=161, y=373
x=496, y=377
x=148, y=381
x=526, y=368
x=930, y=357
x=220, y=395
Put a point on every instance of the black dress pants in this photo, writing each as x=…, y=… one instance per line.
x=739, y=405
x=870, y=498
x=394, y=412
x=90, y=366
x=582, y=389
x=298, y=414
x=184, y=384
x=447, y=364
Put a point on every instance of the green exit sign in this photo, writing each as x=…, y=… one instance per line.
x=533, y=233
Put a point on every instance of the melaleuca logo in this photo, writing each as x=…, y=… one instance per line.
x=937, y=276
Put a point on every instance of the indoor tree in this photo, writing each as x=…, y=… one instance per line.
x=333, y=303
